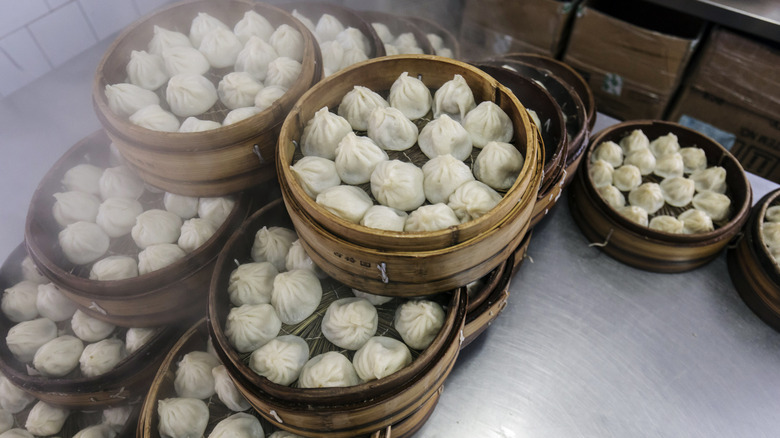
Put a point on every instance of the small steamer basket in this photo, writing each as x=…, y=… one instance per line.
x=488, y=303
x=332, y=412
x=398, y=25
x=398, y=263
x=129, y=379
x=553, y=132
x=752, y=268
x=448, y=38
x=178, y=291
x=643, y=247
x=347, y=16
x=209, y=163
x=565, y=72
x=570, y=102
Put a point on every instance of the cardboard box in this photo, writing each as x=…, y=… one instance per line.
x=497, y=27
x=633, y=54
x=733, y=95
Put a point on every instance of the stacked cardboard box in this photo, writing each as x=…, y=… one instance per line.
x=497, y=27
x=633, y=54
x=733, y=95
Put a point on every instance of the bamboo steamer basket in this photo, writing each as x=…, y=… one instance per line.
x=347, y=16
x=430, y=26
x=552, y=131
x=643, y=247
x=386, y=262
x=215, y=162
x=572, y=106
x=752, y=268
x=565, y=72
x=196, y=338
x=485, y=306
x=398, y=25
x=178, y=291
x=128, y=380
x=331, y=412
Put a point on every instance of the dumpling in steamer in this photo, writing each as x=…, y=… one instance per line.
x=356, y=158
x=126, y=99
x=156, y=257
x=83, y=178
x=283, y=72
x=669, y=166
x=154, y=118
x=410, y=96
x=350, y=322
x=328, y=370
x=120, y=182
x=137, y=337
x=271, y=244
x=432, y=217
x=19, y=301
x=287, y=42
x=472, y=200
x=665, y=145
x=608, y=151
x=252, y=283
x=612, y=196
x=182, y=417
x=386, y=218
x=379, y=357
x=398, y=184
x=304, y=19
x=117, y=216
x=383, y=32
x=347, y=202
x=226, y=390
x=322, y=134
x=83, y=242
x=627, y=178
x=296, y=295
x=59, y=356
x=26, y=337
x=678, y=191
x=163, y=38
x=190, y=94
x=328, y=27
x=195, y=233
x=146, y=70
x=255, y=57
x=238, y=89
x=418, y=322
x=53, y=304
x=332, y=57
x=454, y=98
x=70, y=207
x=642, y=159
x=352, y=38
x=498, y=165
x=45, y=419
x=193, y=375
x=634, y=214
x=240, y=425
x=600, y=173
x=693, y=159
x=391, y=129
x=201, y=25
x=695, y=221
x=442, y=175
x=772, y=214
x=711, y=178
x=636, y=140
x=101, y=357
x=667, y=224
x=239, y=114
x=253, y=24
x=298, y=258
x=250, y=326
x=221, y=47
x=488, y=123
x=770, y=234
x=216, y=210
x=90, y=329
x=186, y=207
x=155, y=226
x=315, y=174
x=12, y=398
x=716, y=205
x=648, y=196
x=356, y=106
x=445, y=136
x=185, y=60
x=352, y=56
x=281, y=359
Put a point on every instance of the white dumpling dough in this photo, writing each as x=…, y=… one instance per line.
x=182, y=417
x=59, y=356
x=442, y=175
x=667, y=224
x=445, y=136
x=634, y=214
x=70, y=207
x=226, y=390
x=315, y=174
x=328, y=370
x=250, y=326
x=612, y=196
x=487, y=123
x=432, y=217
x=648, y=196
x=410, y=96
x=386, y=218
x=695, y=221
x=322, y=134
x=296, y=295
x=627, y=178
x=155, y=226
x=156, y=257
x=472, y=200
x=101, y=357
x=193, y=377
x=498, y=165
x=419, y=322
x=379, y=357
x=391, y=129
x=356, y=158
x=19, y=301
x=53, y=304
x=356, y=106
x=398, y=184
x=347, y=202
x=83, y=178
x=454, y=98
x=271, y=244
x=252, y=283
x=281, y=359
x=83, y=242
x=350, y=322
x=600, y=173
x=117, y=216
x=610, y=152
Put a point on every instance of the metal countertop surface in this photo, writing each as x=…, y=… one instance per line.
x=587, y=347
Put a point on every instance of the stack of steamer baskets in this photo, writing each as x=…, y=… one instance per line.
x=224, y=159
x=658, y=196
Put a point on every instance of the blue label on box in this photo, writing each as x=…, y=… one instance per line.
x=726, y=139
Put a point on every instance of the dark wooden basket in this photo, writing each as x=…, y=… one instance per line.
x=128, y=380
x=211, y=163
x=79, y=419
x=430, y=26
x=643, y=247
x=332, y=412
x=570, y=102
x=752, y=268
x=397, y=25
x=445, y=259
x=173, y=293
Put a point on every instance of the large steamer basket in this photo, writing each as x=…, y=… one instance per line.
x=210, y=163
x=127, y=381
x=753, y=269
x=643, y=247
x=553, y=131
x=331, y=412
x=174, y=293
x=400, y=263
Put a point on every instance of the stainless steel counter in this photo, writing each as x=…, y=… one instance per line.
x=587, y=347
